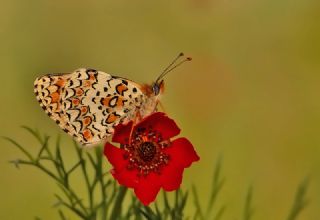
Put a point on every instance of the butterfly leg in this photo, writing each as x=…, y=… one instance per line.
x=161, y=106
x=137, y=118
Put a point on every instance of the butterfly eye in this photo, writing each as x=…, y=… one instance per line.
x=156, y=88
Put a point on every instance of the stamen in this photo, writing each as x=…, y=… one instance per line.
x=145, y=151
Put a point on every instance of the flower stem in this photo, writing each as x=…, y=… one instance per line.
x=116, y=212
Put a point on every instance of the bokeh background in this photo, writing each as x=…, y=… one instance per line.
x=251, y=93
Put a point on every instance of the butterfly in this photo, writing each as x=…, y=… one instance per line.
x=87, y=103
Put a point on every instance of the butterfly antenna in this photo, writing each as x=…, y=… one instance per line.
x=172, y=68
x=170, y=65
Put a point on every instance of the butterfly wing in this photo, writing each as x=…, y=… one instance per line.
x=88, y=104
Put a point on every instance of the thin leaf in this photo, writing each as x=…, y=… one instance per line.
x=217, y=184
x=72, y=208
x=147, y=215
x=117, y=208
x=184, y=200
x=300, y=201
x=136, y=208
x=33, y=133
x=166, y=201
x=248, y=210
x=61, y=214
x=220, y=213
x=157, y=209
x=18, y=162
x=74, y=167
x=197, y=203
x=19, y=147
x=151, y=215
x=43, y=148
x=59, y=163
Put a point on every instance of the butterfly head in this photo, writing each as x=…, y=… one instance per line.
x=158, y=88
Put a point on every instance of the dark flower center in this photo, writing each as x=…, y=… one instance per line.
x=147, y=151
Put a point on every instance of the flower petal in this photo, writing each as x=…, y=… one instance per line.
x=148, y=188
x=182, y=152
x=125, y=177
x=115, y=156
x=162, y=123
x=171, y=176
x=122, y=133
x=120, y=172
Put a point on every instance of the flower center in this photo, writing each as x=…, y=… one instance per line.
x=147, y=151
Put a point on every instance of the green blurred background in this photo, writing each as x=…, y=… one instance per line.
x=251, y=93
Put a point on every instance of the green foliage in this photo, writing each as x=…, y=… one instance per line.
x=107, y=200
x=300, y=201
x=248, y=210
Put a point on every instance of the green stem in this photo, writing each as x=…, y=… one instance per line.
x=86, y=177
x=116, y=212
x=20, y=147
x=103, y=202
x=62, y=182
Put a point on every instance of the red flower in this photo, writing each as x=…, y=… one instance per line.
x=147, y=159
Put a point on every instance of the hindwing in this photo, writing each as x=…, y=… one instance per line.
x=88, y=104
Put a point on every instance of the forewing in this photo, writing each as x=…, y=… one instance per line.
x=89, y=103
